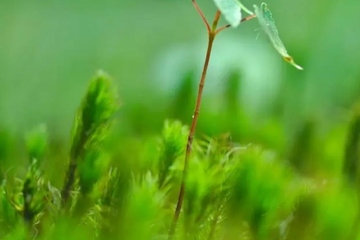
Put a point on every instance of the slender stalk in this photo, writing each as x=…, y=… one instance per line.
x=211, y=38
x=212, y=32
x=202, y=15
x=215, y=22
x=242, y=20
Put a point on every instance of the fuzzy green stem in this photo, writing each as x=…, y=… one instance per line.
x=70, y=174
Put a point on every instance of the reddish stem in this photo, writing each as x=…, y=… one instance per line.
x=242, y=20
x=211, y=37
x=202, y=16
x=212, y=32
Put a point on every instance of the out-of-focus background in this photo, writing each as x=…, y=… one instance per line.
x=50, y=49
x=154, y=51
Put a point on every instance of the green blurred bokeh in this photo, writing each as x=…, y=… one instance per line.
x=154, y=50
x=50, y=49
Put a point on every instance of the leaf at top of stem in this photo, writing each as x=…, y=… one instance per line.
x=266, y=21
x=231, y=11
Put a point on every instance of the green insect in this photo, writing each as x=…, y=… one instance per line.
x=268, y=24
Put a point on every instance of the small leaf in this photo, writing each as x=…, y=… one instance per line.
x=231, y=10
x=268, y=24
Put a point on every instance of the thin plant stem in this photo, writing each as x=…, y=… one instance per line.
x=216, y=21
x=211, y=37
x=212, y=32
x=202, y=15
x=242, y=20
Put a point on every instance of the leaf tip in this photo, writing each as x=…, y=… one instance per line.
x=291, y=61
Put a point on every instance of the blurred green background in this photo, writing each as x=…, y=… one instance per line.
x=154, y=50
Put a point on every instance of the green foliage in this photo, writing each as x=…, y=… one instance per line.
x=94, y=115
x=92, y=122
x=36, y=143
x=24, y=198
x=172, y=144
x=231, y=190
x=337, y=210
x=8, y=213
x=144, y=209
x=267, y=22
x=123, y=187
x=259, y=183
x=352, y=155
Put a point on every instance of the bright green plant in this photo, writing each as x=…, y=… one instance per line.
x=118, y=187
x=91, y=125
x=231, y=10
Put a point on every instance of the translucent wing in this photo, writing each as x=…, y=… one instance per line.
x=266, y=21
x=231, y=11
